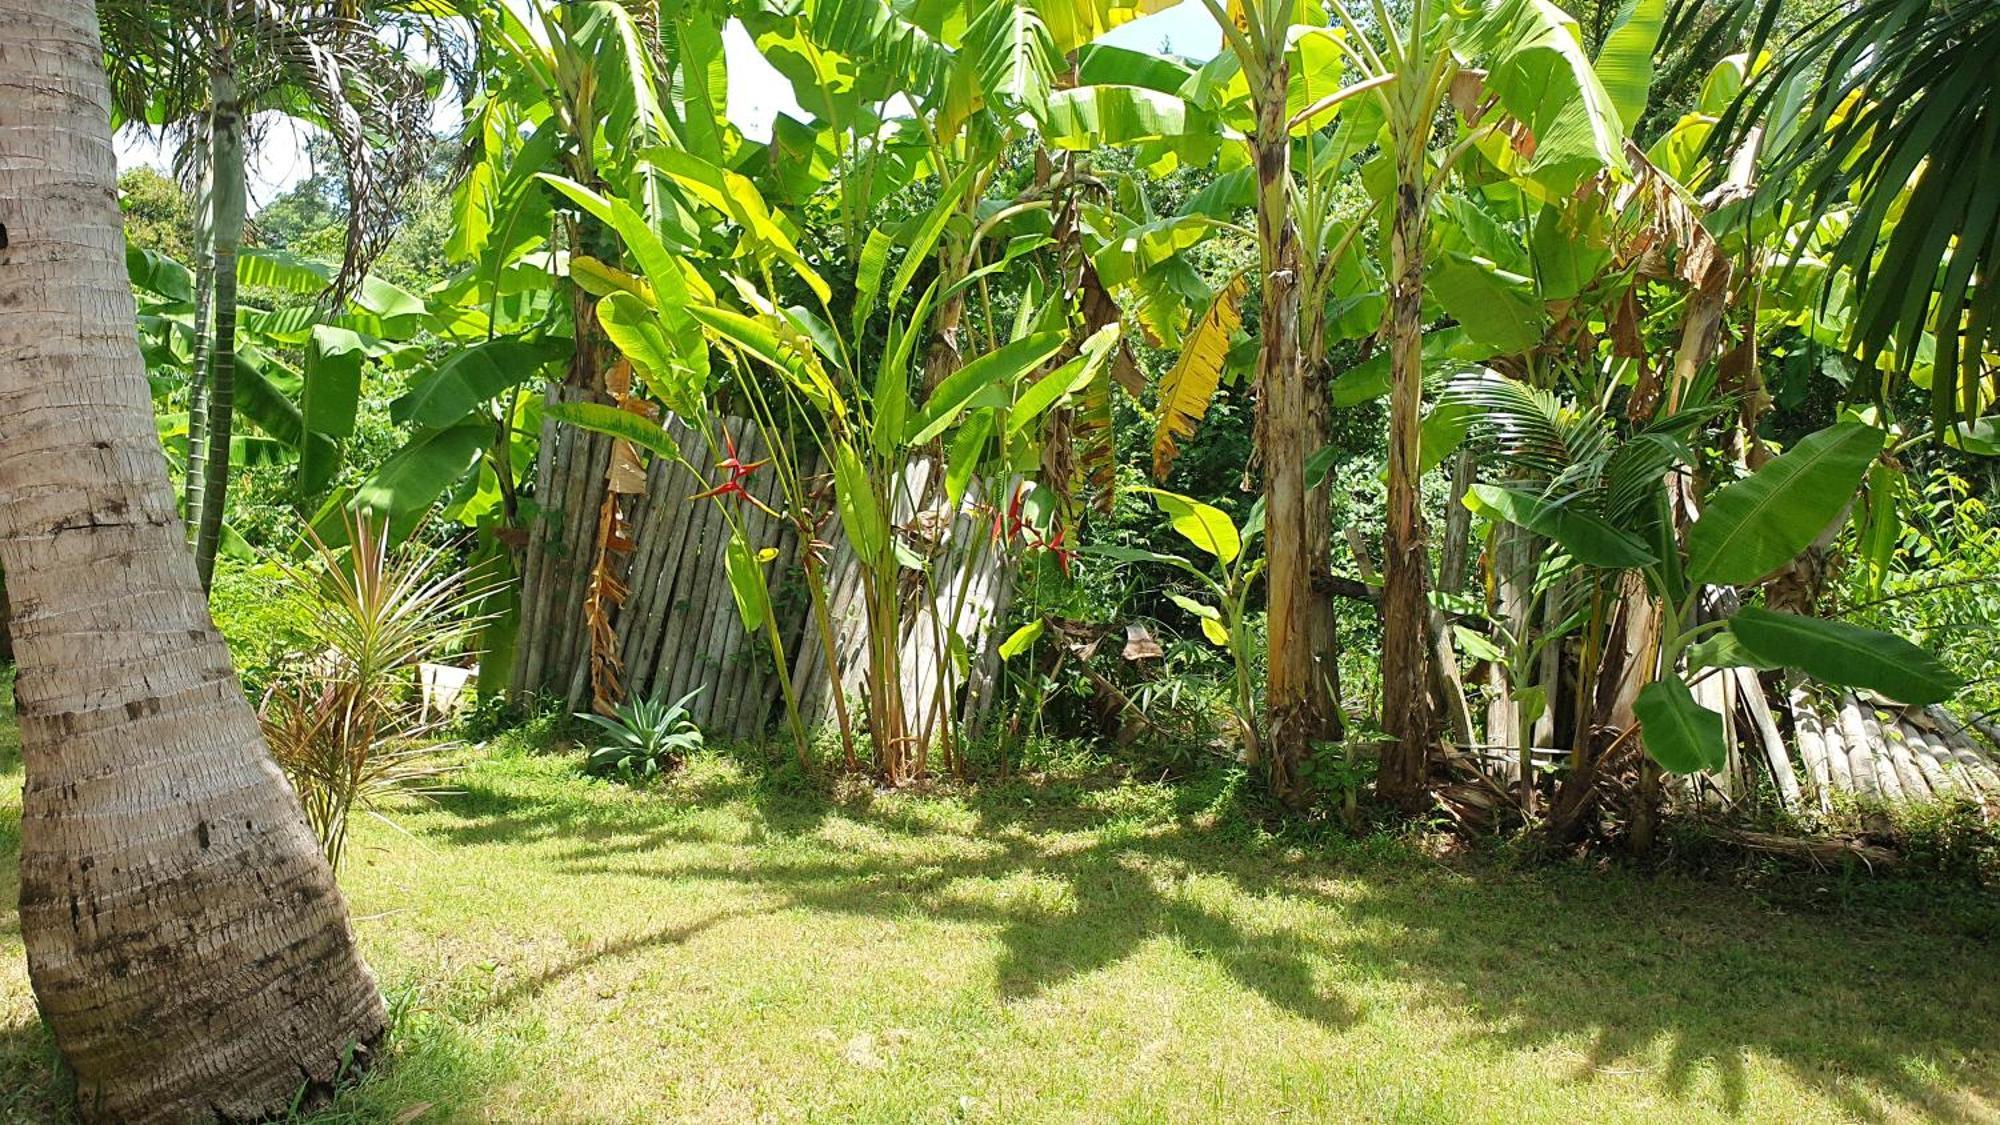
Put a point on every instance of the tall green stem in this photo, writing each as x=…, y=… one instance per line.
x=195, y=477
x=230, y=201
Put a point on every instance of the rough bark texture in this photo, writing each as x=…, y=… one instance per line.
x=1406, y=703
x=1294, y=696
x=185, y=939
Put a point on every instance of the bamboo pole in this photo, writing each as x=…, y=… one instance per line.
x=677, y=643
x=734, y=644
x=1945, y=764
x=846, y=609
x=569, y=610
x=534, y=566
x=1712, y=692
x=767, y=692
x=648, y=542
x=551, y=525
x=668, y=582
x=721, y=625
x=1751, y=691
x=1972, y=759
x=1839, y=763
x=1916, y=786
x=1886, y=774
x=1860, y=756
x=582, y=524
x=1812, y=749
x=697, y=658
x=1931, y=762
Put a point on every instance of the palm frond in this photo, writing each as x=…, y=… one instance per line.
x=1531, y=429
x=321, y=61
x=1903, y=132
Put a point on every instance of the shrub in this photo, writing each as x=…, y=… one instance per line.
x=264, y=616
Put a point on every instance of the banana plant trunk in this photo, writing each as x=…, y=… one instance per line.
x=229, y=202
x=1293, y=695
x=186, y=942
x=1404, y=775
x=1322, y=616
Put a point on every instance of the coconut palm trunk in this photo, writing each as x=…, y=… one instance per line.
x=186, y=942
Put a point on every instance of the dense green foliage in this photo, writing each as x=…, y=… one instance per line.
x=900, y=293
x=1189, y=561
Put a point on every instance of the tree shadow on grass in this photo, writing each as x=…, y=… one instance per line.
x=1677, y=979
x=532, y=986
x=1881, y=1017
x=1111, y=903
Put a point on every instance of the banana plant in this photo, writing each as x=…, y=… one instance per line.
x=1231, y=569
x=1525, y=105
x=299, y=365
x=1621, y=521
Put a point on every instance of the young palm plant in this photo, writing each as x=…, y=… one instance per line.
x=1902, y=112
x=224, y=62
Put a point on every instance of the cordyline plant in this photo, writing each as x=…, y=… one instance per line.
x=346, y=728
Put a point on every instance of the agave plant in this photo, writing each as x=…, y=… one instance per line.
x=643, y=738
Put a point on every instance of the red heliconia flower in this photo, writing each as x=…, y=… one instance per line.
x=1063, y=554
x=1009, y=524
x=738, y=473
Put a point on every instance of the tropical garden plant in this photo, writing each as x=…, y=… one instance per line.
x=1654, y=340
x=642, y=739
x=343, y=725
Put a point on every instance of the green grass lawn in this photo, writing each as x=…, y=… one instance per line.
x=726, y=948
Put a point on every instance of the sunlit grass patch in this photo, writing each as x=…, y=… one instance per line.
x=732, y=942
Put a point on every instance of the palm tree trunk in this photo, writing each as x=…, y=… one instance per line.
x=194, y=474
x=225, y=161
x=185, y=939
x=1298, y=710
x=1406, y=704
